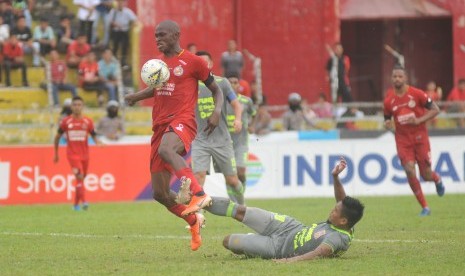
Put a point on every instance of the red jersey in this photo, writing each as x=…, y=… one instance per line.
x=77, y=132
x=58, y=70
x=12, y=51
x=87, y=71
x=456, y=95
x=79, y=49
x=178, y=97
x=411, y=104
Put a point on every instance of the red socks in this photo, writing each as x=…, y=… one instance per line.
x=79, y=196
x=196, y=189
x=416, y=188
x=178, y=209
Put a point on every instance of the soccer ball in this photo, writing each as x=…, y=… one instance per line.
x=155, y=73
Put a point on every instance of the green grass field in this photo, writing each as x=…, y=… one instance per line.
x=142, y=238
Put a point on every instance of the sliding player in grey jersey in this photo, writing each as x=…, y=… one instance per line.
x=241, y=139
x=284, y=238
x=218, y=145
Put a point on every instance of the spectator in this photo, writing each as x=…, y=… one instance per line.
x=262, y=122
x=108, y=72
x=45, y=36
x=77, y=50
x=435, y=93
x=4, y=31
x=14, y=58
x=102, y=10
x=7, y=14
x=232, y=60
x=121, y=18
x=87, y=15
x=294, y=118
x=457, y=95
x=112, y=125
x=338, y=67
x=351, y=112
x=24, y=35
x=21, y=8
x=58, y=71
x=322, y=107
x=89, y=78
x=65, y=34
x=192, y=47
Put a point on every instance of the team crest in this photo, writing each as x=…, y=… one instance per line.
x=178, y=71
x=411, y=104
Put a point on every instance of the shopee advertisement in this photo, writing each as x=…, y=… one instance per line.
x=28, y=175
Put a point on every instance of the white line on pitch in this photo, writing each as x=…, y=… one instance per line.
x=172, y=237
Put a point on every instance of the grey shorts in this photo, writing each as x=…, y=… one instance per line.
x=241, y=153
x=223, y=158
x=272, y=232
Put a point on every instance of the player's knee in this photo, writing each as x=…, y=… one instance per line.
x=226, y=241
x=165, y=153
x=160, y=197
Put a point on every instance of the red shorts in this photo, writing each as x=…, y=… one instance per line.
x=415, y=149
x=78, y=165
x=186, y=131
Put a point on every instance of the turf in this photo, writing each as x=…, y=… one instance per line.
x=142, y=238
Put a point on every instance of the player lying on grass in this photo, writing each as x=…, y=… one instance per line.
x=283, y=238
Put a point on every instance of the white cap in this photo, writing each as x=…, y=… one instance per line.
x=294, y=96
x=67, y=102
x=112, y=103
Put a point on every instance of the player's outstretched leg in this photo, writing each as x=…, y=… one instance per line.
x=189, y=185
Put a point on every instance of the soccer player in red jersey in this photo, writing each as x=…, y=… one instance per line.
x=174, y=126
x=410, y=108
x=77, y=128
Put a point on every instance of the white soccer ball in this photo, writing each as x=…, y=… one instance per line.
x=155, y=73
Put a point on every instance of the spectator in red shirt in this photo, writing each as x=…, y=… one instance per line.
x=435, y=93
x=77, y=50
x=13, y=56
x=458, y=95
x=58, y=69
x=89, y=78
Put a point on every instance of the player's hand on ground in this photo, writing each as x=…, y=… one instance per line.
x=340, y=166
x=284, y=260
x=212, y=122
x=237, y=124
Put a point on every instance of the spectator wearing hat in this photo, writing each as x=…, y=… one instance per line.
x=58, y=70
x=112, y=125
x=45, y=36
x=294, y=117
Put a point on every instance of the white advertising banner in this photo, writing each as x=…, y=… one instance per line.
x=280, y=168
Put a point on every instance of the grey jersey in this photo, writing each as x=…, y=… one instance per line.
x=248, y=111
x=308, y=238
x=205, y=107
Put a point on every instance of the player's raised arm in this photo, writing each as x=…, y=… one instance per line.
x=133, y=98
x=214, y=118
x=339, y=192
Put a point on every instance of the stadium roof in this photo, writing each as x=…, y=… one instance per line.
x=379, y=9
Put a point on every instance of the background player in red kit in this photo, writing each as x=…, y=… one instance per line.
x=174, y=126
x=77, y=128
x=411, y=108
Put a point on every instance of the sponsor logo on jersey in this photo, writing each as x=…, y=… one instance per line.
x=411, y=104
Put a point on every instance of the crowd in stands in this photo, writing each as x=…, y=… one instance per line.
x=67, y=42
